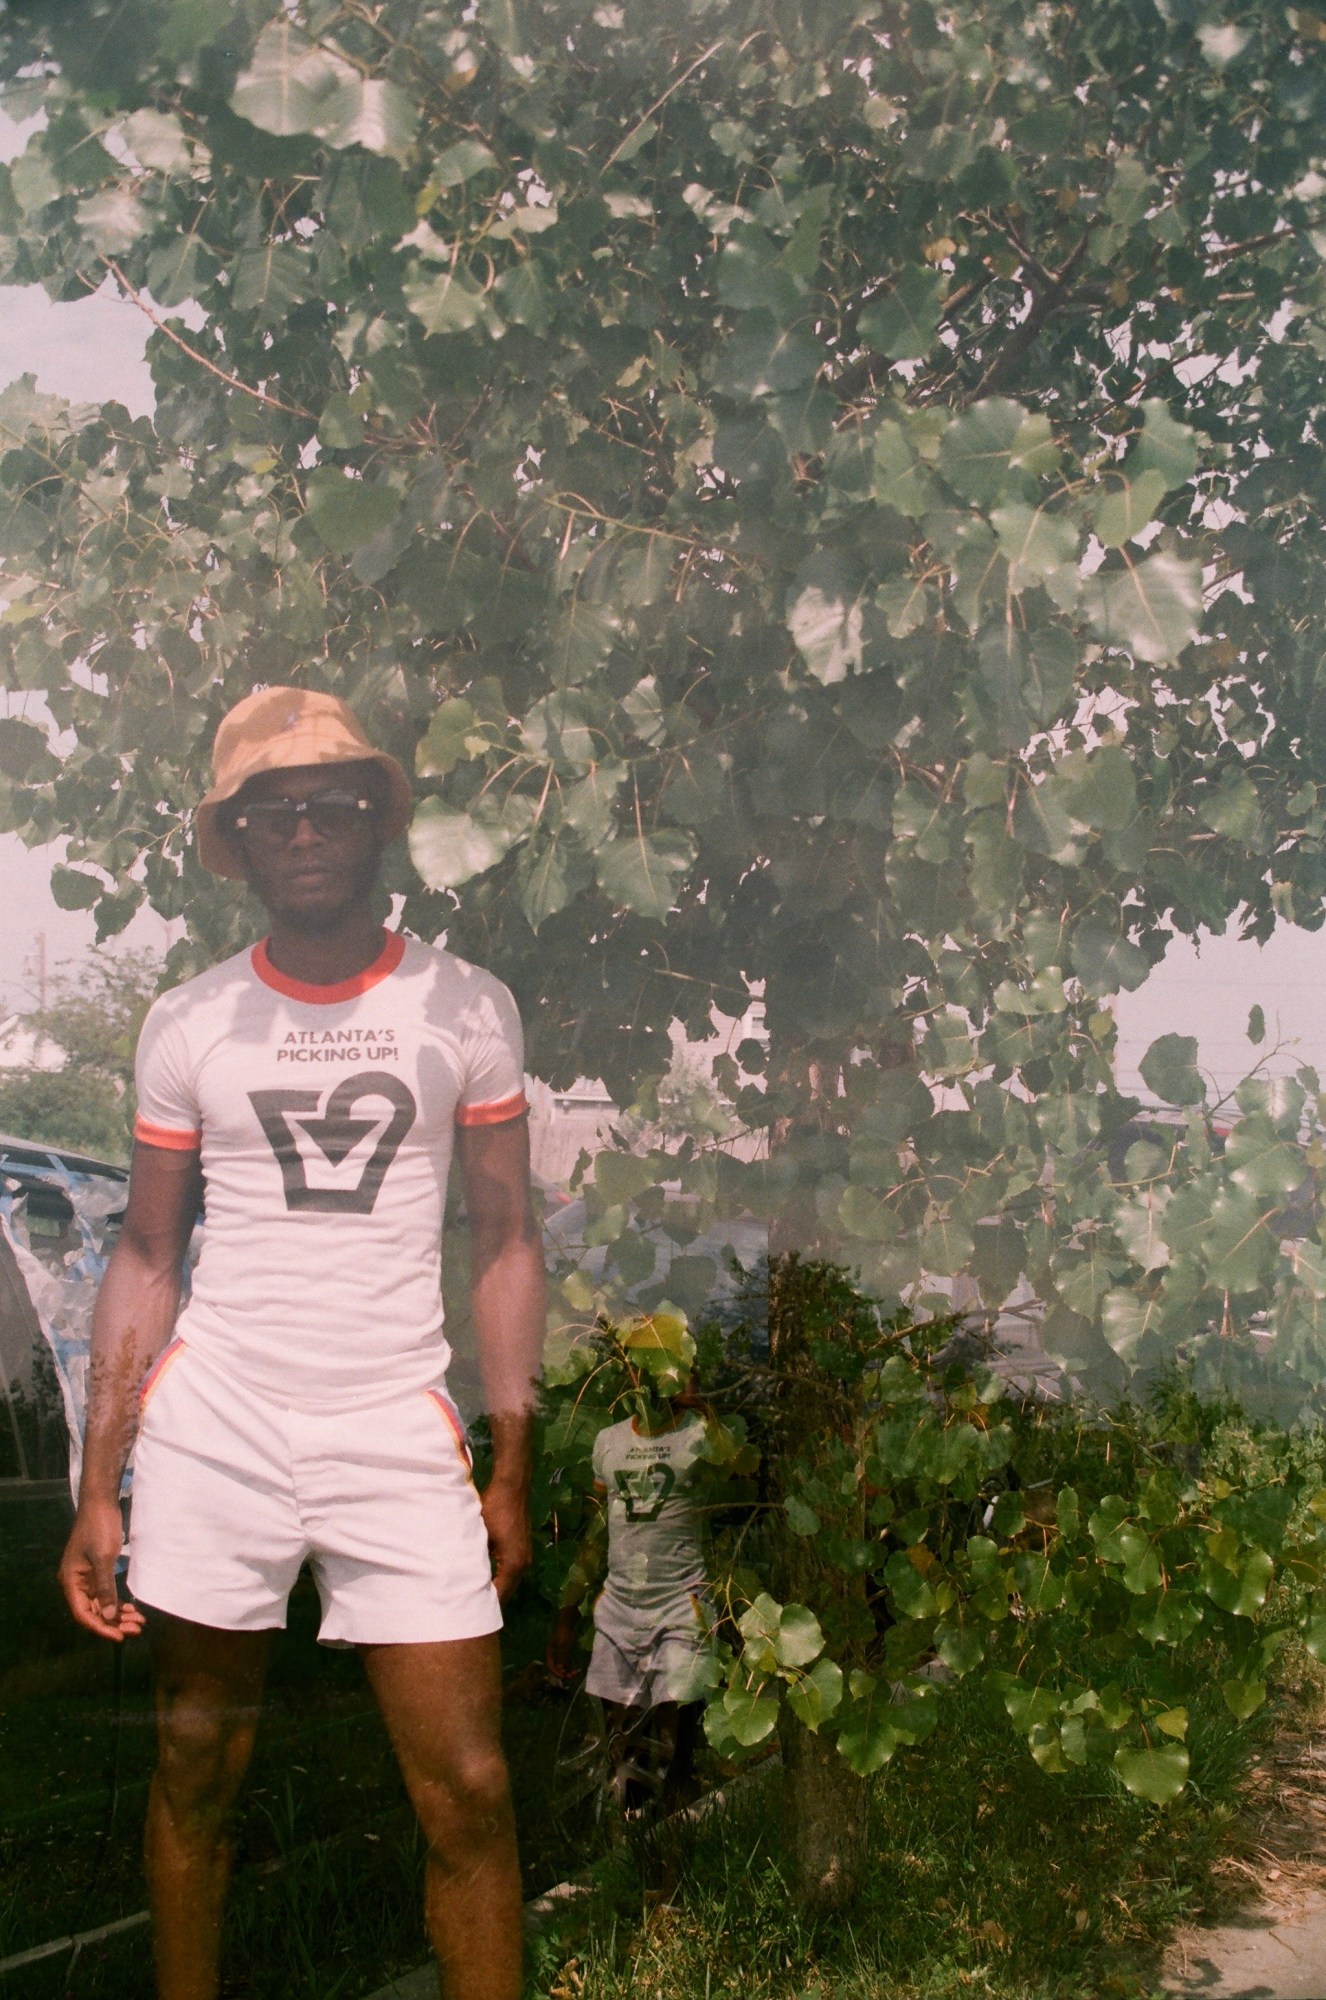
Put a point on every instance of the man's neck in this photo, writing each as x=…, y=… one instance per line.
x=325, y=958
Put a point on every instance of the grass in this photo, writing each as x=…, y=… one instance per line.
x=987, y=1877
x=326, y=1896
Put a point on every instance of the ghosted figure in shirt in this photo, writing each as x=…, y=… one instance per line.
x=653, y=1618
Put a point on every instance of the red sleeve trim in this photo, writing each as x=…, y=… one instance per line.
x=169, y=1140
x=500, y=1113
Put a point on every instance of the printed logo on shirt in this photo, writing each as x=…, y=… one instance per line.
x=644, y=1491
x=317, y=1131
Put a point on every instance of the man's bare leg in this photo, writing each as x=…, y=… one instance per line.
x=442, y=1707
x=208, y=1693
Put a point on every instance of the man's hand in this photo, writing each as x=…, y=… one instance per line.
x=510, y=1543
x=87, y=1573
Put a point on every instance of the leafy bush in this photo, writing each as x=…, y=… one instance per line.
x=889, y=1516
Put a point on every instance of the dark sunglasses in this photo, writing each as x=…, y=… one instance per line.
x=334, y=815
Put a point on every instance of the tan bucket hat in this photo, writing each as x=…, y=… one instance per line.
x=275, y=730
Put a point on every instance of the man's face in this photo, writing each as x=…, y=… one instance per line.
x=313, y=870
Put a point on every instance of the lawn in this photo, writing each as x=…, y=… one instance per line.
x=988, y=1877
x=326, y=1898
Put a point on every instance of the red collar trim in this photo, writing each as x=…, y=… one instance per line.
x=390, y=956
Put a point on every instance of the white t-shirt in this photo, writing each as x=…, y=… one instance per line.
x=325, y=1117
x=654, y=1542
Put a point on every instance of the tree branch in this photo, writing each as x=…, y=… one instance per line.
x=1021, y=338
x=231, y=381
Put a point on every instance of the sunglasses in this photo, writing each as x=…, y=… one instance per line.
x=332, y=814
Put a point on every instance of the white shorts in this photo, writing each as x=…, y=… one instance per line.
x=642, y=1658
x=233, y=1492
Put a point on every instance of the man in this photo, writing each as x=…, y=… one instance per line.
x=311, y=1088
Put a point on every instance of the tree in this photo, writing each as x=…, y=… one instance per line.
x=834, y=489
x=94, y=1015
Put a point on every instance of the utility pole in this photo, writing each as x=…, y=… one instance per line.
x=35, y=968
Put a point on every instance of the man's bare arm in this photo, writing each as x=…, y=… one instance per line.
x=133, y=1320
x=507, y=1291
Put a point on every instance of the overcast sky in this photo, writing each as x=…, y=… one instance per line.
x=93, y=349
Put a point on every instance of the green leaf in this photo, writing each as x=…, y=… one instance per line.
x=156, y=140
x=1158, y=1772
x=591, y=806
x=24, y=755
x=524, y=298
x=1152, y=609
x=561, y=728
x=452, y=737
x=582, y=638
x=1243, y=1698
x=1030, y=1707
x=547, y=878
x=960, y=1647
x=448, y=846
x=291, y=85
x=946, y=1246
x=824, y=616
x=1009, y=1515
x=1241, y=1590
x=73, y=889
x=294, y=86
x=1165, y=448
x=1238, y=1249
x=1106, y=961
x=751, y=279
x=1169, y=1068
x=1256, y=1026
x=866, y=1213
x=873, y=1724
x=451, y=302
x=112, y=221
x=1098, y=787
x=1231, y=806
x=270, y=280
x=766, y=359
x=909, y=1590
x=1168, y=1619
x=1038, y=544
x=347, y=512
x=801, y=1519
x=1123, y=510
x=1260, y=1162
x=901, y=481
x=817, y=1695
x=751, y=1717
x=191, y=24
x=459, y=163
x=903, y=325
x=341, y=425
x=977, y=454
x=799, y=1639
x=644, y=872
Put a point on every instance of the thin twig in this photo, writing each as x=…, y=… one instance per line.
x=658, y=103
x=231, y=381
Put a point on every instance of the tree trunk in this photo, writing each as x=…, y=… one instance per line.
x=824, y=1802
x=825, y=1808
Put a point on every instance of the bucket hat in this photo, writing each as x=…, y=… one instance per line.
x=275, y=730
